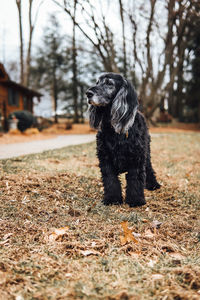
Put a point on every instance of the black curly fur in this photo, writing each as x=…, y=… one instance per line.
x=123, y=141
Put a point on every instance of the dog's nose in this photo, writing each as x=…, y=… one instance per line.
x=89, y=94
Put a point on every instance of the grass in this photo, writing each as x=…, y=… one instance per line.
x=62, y=188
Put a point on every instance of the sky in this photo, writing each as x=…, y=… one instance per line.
x=9, y=27
x=9, y=31
x=9, y=36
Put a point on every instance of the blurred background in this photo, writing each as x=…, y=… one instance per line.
x=52, y=50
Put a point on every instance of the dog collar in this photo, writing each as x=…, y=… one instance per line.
x=126, y=134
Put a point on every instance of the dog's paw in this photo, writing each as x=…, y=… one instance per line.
x=112, y=201
x=153, y=187
x=139, y=202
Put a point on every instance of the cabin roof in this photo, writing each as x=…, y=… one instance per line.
x=5, y=80
x=17, y=86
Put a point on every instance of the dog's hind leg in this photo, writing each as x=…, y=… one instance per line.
x=151, y=181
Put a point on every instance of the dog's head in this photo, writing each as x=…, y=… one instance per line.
x=115, y=91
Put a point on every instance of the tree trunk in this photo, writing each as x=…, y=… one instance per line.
x=124, y=38
x=55, y=95
x=179, y=96
x=81, y=104
x=28, y=57
x=171, y=98
x=18, y=2
x=74, y=68
x=103, y=45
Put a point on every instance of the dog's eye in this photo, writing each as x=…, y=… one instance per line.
x=97, y=82
x=108, y=82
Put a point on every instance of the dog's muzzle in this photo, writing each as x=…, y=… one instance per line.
x=89, y=95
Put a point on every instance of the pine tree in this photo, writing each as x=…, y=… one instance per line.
x=51, y=64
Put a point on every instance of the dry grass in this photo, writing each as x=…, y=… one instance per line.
x=32, y=134
x=63, y=188
x=15, y=136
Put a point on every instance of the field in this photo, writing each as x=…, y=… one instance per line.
x=57, y=241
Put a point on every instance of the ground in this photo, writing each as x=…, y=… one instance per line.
x=33, y=134
x=57, y=241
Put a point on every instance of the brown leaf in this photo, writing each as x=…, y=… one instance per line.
x=128, y=236
x=123, y=239
x=58, y=232
x=135, y=254
x=145, y=221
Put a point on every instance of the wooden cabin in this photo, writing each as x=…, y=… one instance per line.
x=13, y=97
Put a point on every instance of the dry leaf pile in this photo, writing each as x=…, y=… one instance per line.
x=57, y=241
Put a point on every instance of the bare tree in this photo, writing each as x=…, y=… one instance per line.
x=156, y=84
x=163, y=22
x=74, y=65
x=121, y=8
x=19, y=7
x=100, y=36
x=25, y=63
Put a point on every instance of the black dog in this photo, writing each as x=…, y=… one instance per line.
x=123, y=141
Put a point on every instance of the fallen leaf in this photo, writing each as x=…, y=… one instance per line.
x=93, y=244
x=4, y=242
x=149, y=234
x=6, y=236
x=68, y=275
x=61, y=231
x=176, y=255
x=136, y=235
x=19, y=297
x=89, y=252
x=25, y=200
x=128, y=236
x=58, y=232
x=135, y=254
x=156, y=224
x=145, y=221
x=151, y=263
x=157, y=276
x=123, y=239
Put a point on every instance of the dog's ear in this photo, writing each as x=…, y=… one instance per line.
x=95, y=116
x=124, y=108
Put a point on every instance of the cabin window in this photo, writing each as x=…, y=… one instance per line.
x=2, y=74
x=25, y=100
x=13, y=97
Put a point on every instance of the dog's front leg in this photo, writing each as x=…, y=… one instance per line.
x=111, y=183
x=135, y=179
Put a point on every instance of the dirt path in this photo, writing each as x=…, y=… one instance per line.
x=18, y=149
